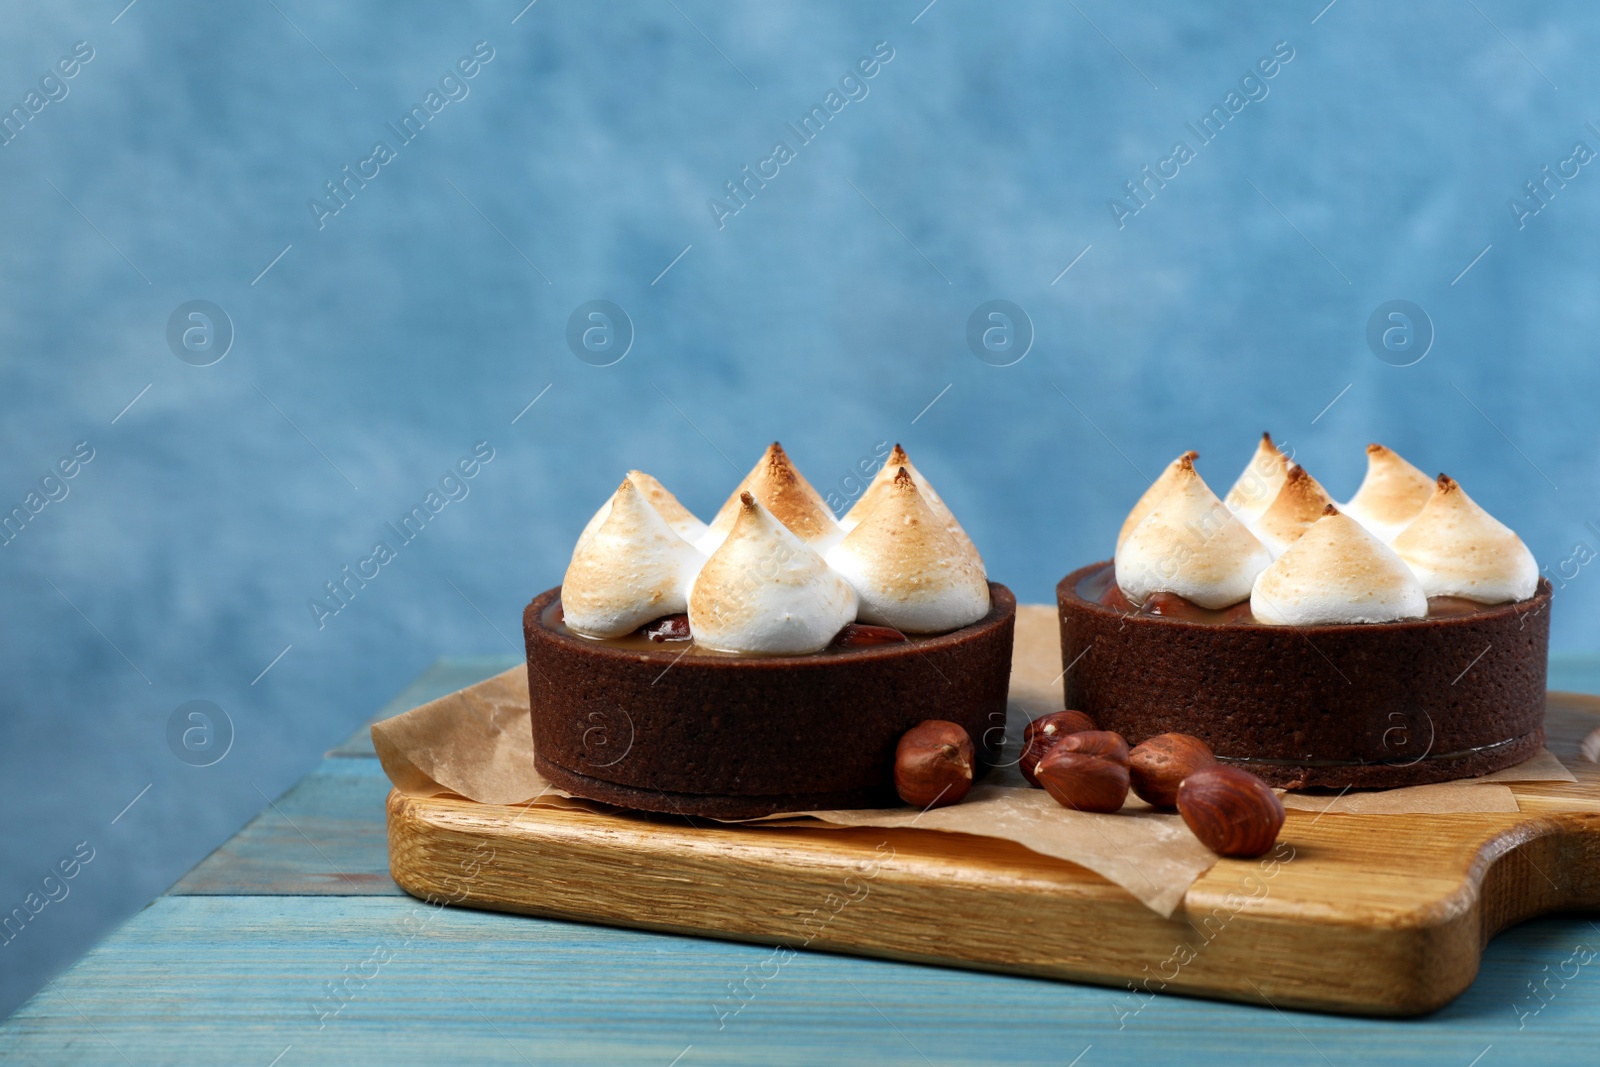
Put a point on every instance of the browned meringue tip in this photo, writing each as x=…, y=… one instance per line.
x=1375, y=449
x=1297, y=481
x=1271, y=446
x=777, y=458
x=627, y=485
x=898, y=457
x=1186, y=461
x=1446, y=484
x=780, y=468
x=747, y=500
x=1331, y=509
x=1299, y=503
x=904, y=480
x=1299, y=485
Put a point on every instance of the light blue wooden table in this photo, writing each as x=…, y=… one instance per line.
x=235, y=965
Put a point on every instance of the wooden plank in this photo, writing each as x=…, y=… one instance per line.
x=445, y=676
x=325, y=836
x=205, y=980
x=1366, y=913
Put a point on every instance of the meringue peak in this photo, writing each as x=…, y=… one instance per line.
x=1299, y=503
x=678, y=517
x=878, y=488
x=780, y=487
x=633, y=568
x=908, y=569
x=1458, y=549
x=1258, y=484
x=765, y=591
x=1164, y=482
x=1190, y=544
x=1391, y=495
x=683, y=521
x=1337, y=572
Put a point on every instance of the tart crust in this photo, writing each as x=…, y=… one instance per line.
x=739, y=737
x=1372, y=705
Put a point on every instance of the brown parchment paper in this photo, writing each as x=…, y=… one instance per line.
x=1488, y=793
x=477, y=743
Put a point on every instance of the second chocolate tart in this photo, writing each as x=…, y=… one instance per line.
x=1370, y=705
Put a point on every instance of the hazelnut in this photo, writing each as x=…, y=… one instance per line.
x=668, y=628
x=1158, y=766
x=860, y=635
x=1232, y=812
x=1103, y=743
x=1081, y=781
x=933, y=764
x=1044, y=733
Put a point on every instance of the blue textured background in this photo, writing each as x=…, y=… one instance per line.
x=829, y=313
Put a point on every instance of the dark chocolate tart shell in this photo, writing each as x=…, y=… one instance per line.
x=1373, y=705
x=736, y=737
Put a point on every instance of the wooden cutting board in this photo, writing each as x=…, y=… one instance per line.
x=1373, y=914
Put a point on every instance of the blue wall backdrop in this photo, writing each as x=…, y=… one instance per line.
x=377, y=338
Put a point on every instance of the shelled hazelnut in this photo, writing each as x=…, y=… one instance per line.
x=1106, y=744
x=1231, y=811
x=933, y=764
x=1086, y=771
x=1157, y=767
x=860, y=635
x=1044, y=733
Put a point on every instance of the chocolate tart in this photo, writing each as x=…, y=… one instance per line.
x=1374, y=705
x=736, y=737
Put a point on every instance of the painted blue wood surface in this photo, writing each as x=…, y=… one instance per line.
x=234, y=965
x=241, y=979
x=325, y=836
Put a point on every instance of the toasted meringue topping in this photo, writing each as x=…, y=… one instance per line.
x=1190, y=544
x=880, y=488
x=1391, y=495
x=766, y=591
x=1159, y=488
x=1337, y=572
x=1299, y=503
x=1256, y=487
x=680, y=518
x=1458, y=549
x=784, y=491
x=633, y=568
x=909, y=570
